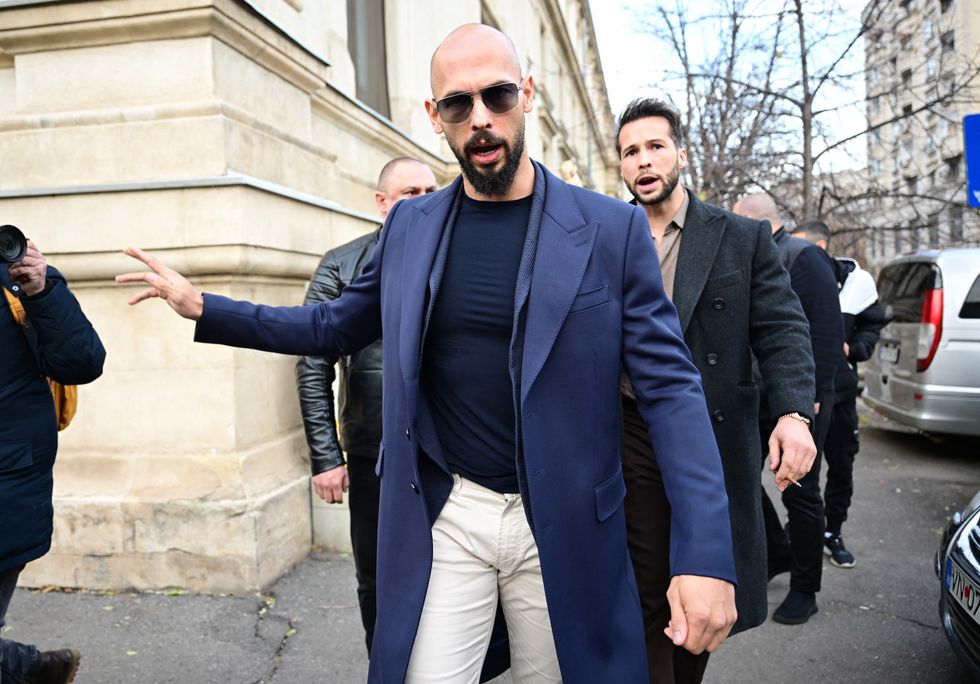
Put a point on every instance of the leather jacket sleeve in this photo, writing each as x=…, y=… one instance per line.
x=315, y=376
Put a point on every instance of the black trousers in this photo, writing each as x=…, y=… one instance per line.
x=648, y=537
x=364, y=500
x=804, y=506
x=839, y=451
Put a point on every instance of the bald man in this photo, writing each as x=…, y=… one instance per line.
x=813, y=279
x=359, y=407
x=510, y=301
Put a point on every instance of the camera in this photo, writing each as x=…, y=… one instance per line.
x=13, y=244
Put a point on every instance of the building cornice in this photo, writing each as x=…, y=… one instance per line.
x=40, y=28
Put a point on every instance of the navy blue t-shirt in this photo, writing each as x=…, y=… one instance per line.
x=465, y=366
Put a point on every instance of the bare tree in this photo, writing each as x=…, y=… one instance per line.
x=775, y=101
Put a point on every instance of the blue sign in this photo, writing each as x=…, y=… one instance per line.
x=971, y=146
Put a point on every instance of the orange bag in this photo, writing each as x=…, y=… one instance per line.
x=65, y=396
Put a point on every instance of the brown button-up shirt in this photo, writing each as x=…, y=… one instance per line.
x=669, y=246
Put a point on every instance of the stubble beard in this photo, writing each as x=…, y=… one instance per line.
x=669, y=184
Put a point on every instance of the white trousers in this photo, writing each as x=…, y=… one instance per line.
x=482, y=549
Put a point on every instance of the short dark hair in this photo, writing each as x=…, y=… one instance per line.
x=645, y=107
x=814, y=228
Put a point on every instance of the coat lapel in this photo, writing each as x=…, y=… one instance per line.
x=421, y=243
x=564, y=246
x=699, y=245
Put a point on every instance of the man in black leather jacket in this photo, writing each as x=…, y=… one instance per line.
x=359, y=399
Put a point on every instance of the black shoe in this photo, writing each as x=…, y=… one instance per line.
x=834, y=547
x=55, y=667
x=779, y=563
x=796, y=608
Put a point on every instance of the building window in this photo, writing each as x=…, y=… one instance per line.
x=366, y=44
x=933, y=231
x=945, y=5
x=932, y=66
x=953, y=167
x=907, y=5
x=955, y=223
x=907, y=78
x=948, y=41
x=912, y=186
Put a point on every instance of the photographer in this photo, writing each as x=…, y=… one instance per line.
x=58, y=342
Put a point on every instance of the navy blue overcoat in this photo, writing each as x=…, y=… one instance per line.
x=589, y=302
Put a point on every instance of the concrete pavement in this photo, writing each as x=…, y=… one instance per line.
x=877, y=622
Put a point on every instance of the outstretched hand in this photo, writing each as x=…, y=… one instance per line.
x=164, y=283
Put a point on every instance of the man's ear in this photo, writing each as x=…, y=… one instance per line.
x=682, y=157
x=381, y=200
x=528, y=93
x=434, y=119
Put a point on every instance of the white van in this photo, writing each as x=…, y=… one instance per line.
x=925, y=372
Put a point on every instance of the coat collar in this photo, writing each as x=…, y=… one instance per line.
x=703, y=232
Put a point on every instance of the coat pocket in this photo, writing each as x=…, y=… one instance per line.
x=587, y=300
x=609, y=495
x=15, y=455
x=724, y=280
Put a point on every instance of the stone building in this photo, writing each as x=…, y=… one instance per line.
x=238, y=140
x=922, y=78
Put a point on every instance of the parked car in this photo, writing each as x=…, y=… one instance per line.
x=958, y=568
x=925, y=372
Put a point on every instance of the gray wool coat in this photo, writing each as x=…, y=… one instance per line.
x=734, y=300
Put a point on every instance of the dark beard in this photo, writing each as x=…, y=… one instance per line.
x=670, y=182
x=491, y=183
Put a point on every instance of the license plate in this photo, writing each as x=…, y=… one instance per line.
x=963, y=590
x=888, y=353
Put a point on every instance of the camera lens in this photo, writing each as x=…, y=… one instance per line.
x=13, y=244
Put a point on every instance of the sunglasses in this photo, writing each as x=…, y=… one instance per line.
x=498, y=99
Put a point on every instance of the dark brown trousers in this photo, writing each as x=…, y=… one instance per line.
x=648, y=536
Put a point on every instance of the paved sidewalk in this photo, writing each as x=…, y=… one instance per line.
x=306, y=629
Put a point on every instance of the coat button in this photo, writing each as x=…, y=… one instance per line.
x=718, y=416
x=408, y=435
x=415, y=488
x=712, y=359
x=718, y=303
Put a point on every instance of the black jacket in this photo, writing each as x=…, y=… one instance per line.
x=734, y=302
x=359, y=400
x=863, y=322
x=59, y=343
x=814, y=281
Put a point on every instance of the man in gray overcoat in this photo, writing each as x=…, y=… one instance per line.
x=734, y=300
